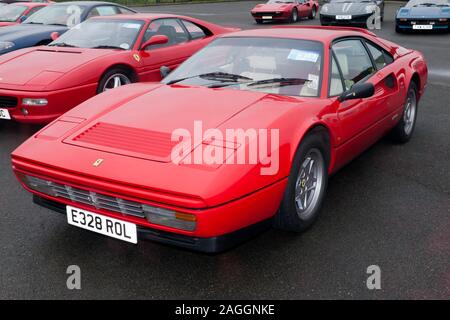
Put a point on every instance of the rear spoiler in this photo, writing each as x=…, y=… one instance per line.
x=329, y=28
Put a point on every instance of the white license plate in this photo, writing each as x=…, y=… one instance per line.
x=4, y=114
x=423, y=26
x=267, y=17
x=343, y=17
x=107, y=226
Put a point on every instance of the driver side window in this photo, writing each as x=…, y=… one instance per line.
x=171, y=28
x=353, y=60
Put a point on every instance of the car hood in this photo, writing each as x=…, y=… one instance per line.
x=5, y=24
x=24, y=30
x=35, y=68
x=424, y=12
x=143, y=127
x=270, y=7
x=347, y=8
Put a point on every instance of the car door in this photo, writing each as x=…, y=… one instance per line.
x=183, y=42
x=358, y=115
x=303, y=8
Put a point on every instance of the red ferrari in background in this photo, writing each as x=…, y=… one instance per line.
x=325, y=94
x=17, y=12
x=38, y=84
x=285, y=10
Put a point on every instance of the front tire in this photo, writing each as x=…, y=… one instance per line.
x=294, y=15
x=404, y=129
x=114, y=78
x=307, y=184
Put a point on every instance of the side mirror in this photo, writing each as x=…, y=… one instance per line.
x=156, y=39
x=164, y=71
x=22, y=19
x=54, y=35
x=358, y=91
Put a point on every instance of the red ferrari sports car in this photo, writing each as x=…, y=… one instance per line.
x=38, y=84
x=17, y=12
x=285, y=10
x=136, y=161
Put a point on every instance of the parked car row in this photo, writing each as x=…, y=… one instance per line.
x=415, y=15
x=106, y=159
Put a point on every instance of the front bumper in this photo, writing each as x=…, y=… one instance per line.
x=274, y=15
x=59, y=102
x=409, y=23
x=209, y=245
x=211, y=221
x=356, y=20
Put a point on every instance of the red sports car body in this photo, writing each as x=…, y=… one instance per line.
x=324, y=94
x=38, y=84
x=285, y=10
x=17, y=12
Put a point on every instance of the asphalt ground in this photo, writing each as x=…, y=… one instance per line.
x=390, y=207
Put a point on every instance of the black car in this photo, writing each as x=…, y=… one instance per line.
x=351, y=12
x=57, y=17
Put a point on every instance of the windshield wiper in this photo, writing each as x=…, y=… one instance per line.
x=62, y=44
x=55, y=24
x=280, y=82
x=107, y=47
x=218, y=76
x=426, y=4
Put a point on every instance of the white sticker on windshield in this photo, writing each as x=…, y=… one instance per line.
x=303, y=55
x=313, y=82
x=131, y=25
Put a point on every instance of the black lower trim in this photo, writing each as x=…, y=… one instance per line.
x=208, y=245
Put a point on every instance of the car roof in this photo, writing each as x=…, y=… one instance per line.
x=29, y=4
x=141, y=16
x=321, y=34
x=86, y=3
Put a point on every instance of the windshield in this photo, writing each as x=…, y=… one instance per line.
x=11, y=13
x=428, y=3
x=280, y=66
x=57, y=15
x=101, y=33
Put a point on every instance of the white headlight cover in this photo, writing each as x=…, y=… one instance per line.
x=325, y=8
x=34, y=102
x=4, y=45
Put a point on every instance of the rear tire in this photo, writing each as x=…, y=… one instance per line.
x=404, y=129
x=307, y=184
x=258, y=21
x=313, y=13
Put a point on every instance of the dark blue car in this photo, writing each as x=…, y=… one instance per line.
x=58, y=17
x=424, y=15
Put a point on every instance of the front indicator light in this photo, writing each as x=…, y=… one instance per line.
x=40, y=102
x=37, y=184
x=403, y=20
x=169, y=218
x=443, y=20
